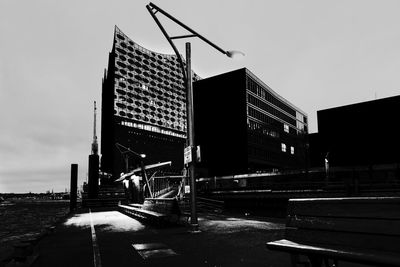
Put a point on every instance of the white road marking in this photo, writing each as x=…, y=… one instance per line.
x=96, y=251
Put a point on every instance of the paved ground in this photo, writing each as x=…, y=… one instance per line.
x=109, y=238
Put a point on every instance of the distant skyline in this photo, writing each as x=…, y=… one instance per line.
x=316, y=54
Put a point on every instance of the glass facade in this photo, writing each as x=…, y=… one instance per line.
x=149, y=88
x=274, y=125
x=144, y=100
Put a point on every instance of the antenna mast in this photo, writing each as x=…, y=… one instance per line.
x=94, y=144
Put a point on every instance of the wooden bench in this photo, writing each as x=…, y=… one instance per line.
x=326, y=231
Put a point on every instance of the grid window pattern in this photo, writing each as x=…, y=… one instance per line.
x=149, y=88
x=260, y=91
x=261, y=116
x=262, y=104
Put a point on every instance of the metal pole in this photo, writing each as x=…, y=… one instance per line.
x=167, y=37
x=185, y=27
x=144, y=175
x=190, y=132
x=74, y=187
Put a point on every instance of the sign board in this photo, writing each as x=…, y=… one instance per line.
x=187, y=189
x=198, y=154
x=187, y=155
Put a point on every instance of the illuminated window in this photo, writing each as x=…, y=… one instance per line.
x=286, y=128
x=283, y=147
x=292, y=150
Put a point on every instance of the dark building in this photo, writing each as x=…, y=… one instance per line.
x=143, y=107
x=359, y=134
x=243, y=126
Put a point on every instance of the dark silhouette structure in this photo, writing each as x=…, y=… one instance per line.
x=73, y=187
x=243, y=126
x=93, y=176
x=361, y=134
x=143, y=108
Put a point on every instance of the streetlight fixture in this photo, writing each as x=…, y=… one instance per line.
x=187, y=73
x=124, y=152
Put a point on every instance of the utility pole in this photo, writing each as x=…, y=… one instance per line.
x=190, y=132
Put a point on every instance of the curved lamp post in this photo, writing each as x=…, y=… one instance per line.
x=187, y=73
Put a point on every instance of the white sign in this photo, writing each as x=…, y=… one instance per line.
x=198, y=154
x=187, y=189
x=187, y=155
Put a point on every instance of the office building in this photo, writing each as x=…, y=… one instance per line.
x=361, y=134
x=243, y=126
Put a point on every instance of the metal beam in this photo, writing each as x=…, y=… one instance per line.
x=168, y=39
x=183, y=36
x=186, y=27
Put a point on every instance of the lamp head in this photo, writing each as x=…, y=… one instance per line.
x=234, y=54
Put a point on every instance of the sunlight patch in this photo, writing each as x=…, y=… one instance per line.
x=108, y=220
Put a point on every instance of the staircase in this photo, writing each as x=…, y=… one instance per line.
x=108, y=196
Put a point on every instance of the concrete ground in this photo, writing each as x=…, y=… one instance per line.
x=110, y=238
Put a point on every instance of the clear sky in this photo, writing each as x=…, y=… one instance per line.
x=315, y=53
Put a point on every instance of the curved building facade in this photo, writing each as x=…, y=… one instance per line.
x=143, y=107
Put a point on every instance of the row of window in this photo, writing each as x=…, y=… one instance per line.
x=262, y=129
x=257, y=89
x=252, y=112
x=165, y=139
x=151, y=128
x=268, y=108
x=264, y=154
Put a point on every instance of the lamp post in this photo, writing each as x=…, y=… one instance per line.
x=124, y=152
x=187, y=73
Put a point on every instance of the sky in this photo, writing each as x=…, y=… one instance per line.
x=317, y=54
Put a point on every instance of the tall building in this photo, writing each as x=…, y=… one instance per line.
x=143, y=107
x=361, y=134
x=243, y=126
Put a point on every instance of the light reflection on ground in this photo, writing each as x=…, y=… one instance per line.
x=113, y=221
x=231, y=224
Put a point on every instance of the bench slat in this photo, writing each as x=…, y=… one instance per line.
x=361, y=256
x=364, y=230
x=345, y=239
x=369, y=225
x=386, y=208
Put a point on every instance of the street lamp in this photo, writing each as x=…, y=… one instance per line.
x=124, y=152
x=187, y=73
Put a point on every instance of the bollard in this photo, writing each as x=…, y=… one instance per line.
x=74, y=187
x=93, y=182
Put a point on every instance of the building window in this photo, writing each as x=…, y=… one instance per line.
x=286, y=128
x=292, y=150
x=283, y=147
